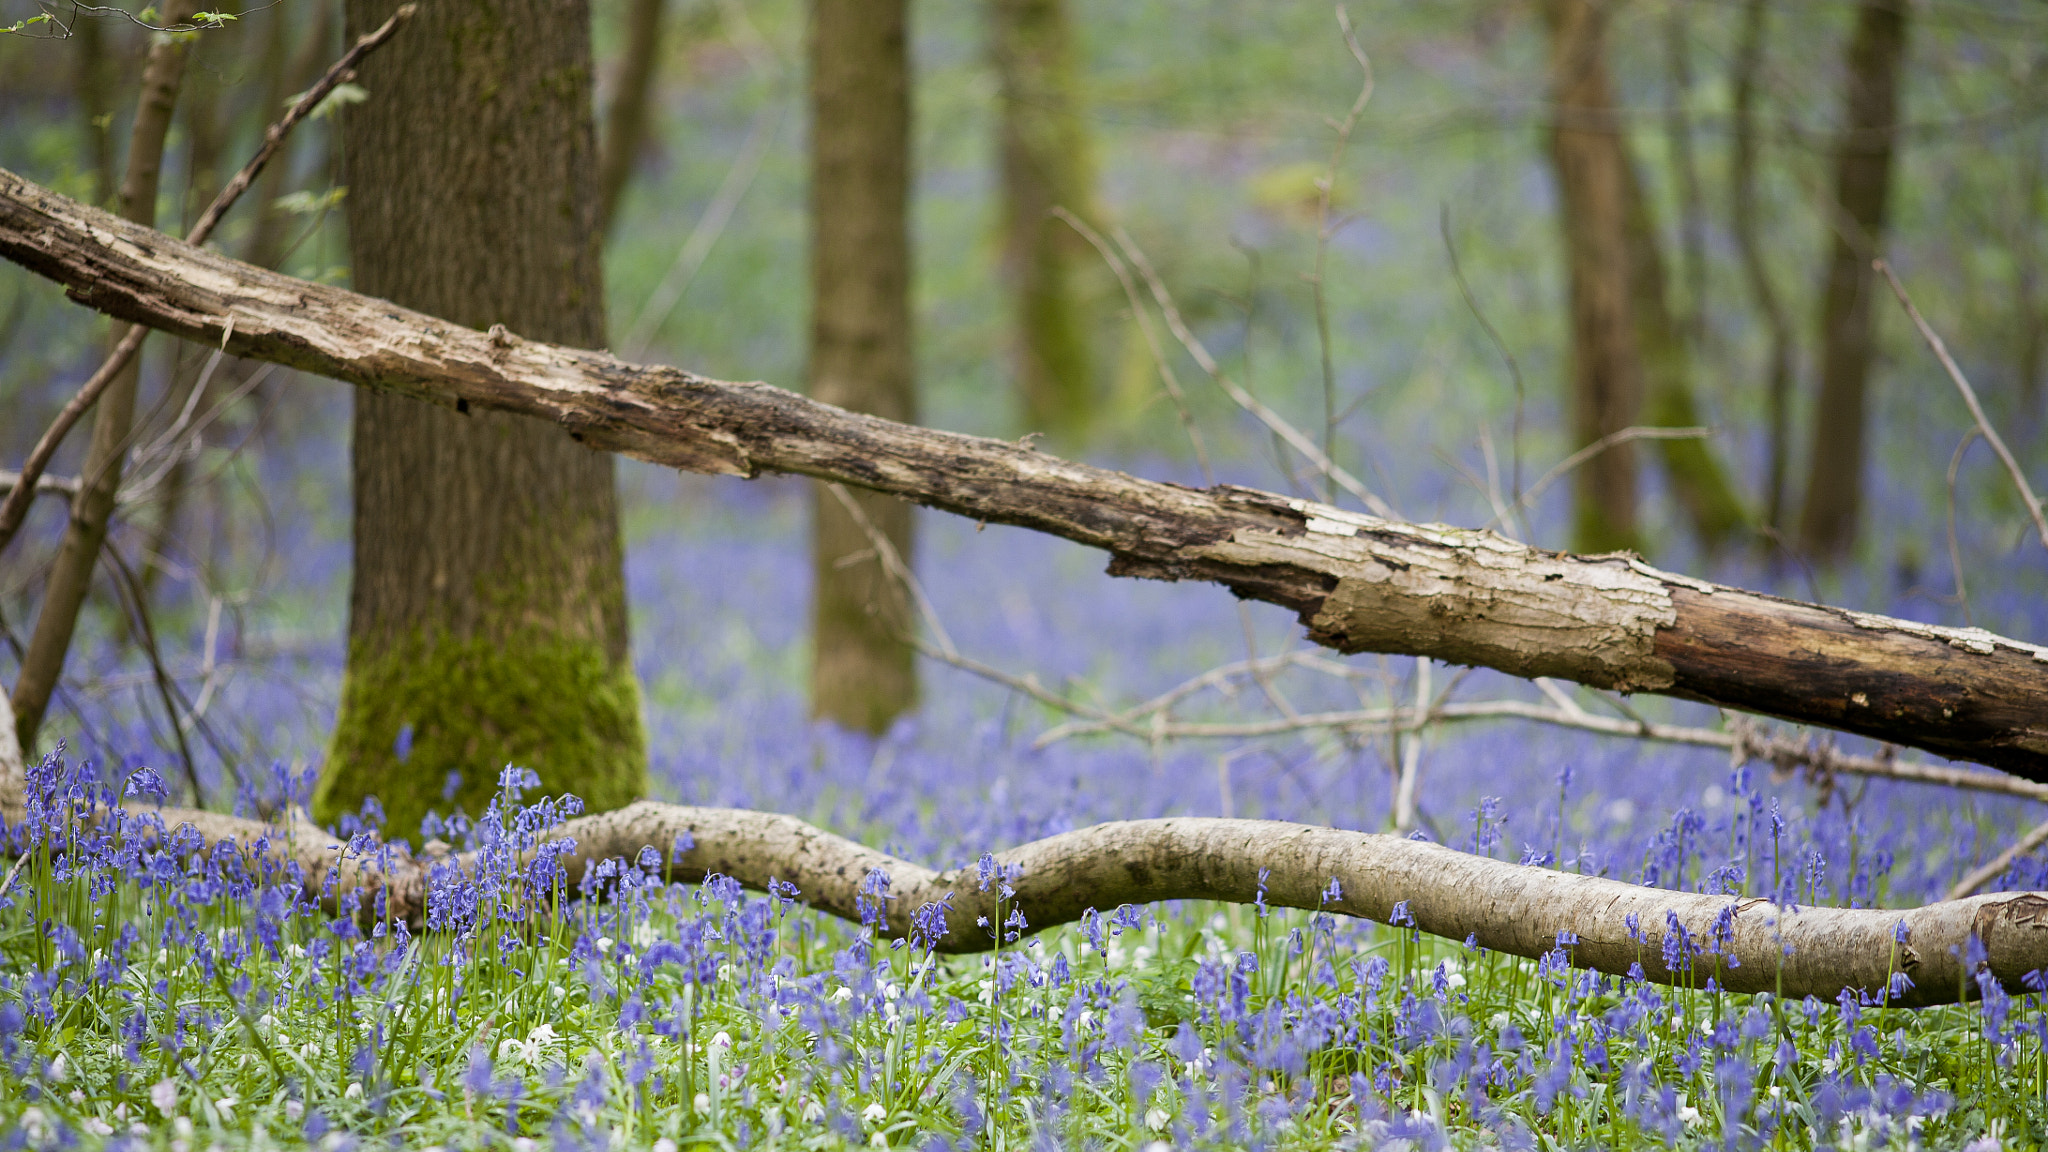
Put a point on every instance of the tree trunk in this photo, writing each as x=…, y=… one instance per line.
x=92, y=84
x=1756, y=266
x=1697, y=479
x=1046, y=164
x=863, y=673
x=1862, y=194
x=1692, y=224
x=625, y=122
x=79, y=553
x=1360, y=583
x=1593, y=183
x=487, y=615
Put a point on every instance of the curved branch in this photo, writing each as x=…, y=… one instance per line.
x=1360, y=583
x=1503, y=907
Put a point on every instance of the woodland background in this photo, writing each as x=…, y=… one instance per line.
x=1210, y=127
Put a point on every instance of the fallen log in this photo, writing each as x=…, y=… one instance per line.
x=1359, y=583
x=1667, y=937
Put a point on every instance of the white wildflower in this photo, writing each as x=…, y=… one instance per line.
x=874, y=1113
x=1156, y=1119
x=664, y=1145
x=703, y=1102
x=164, y=1094
x=60, y=1069
x=99, y=1127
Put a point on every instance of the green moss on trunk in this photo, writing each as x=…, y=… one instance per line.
x=473, y=706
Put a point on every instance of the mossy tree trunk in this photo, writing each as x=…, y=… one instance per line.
x=1593, y=184
x=863, y=673
x=1047, y=163
x=487, y=617
x=1861, y=198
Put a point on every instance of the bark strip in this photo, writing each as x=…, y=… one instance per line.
x=1745, y=944
x=1359, y=582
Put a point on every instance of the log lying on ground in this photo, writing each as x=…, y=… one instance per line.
x=1360, y=584
x=1505, y=907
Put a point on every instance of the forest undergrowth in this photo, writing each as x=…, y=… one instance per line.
x=160, y=995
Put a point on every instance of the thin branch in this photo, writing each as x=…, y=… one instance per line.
x=1168, y=379
x=1970, y=885
x=46, y=485
x=682, y=271
x=2012, y=466
x=15, y=508
x=1619, y=436
x=1955, y=552
x=1245, y=400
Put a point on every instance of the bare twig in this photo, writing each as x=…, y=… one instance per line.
x=682, y=271
x=1970, y=885
x=15, y=508
x=1168, y=379
x=1955, y=552
x=46, y=484
x=1619, y=436
x=1991, y=437
x=1245, y=400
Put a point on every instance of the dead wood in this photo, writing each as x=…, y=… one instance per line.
x=1743, y=944
x=1358, y=582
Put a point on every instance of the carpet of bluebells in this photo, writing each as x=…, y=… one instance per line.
x=154, y=992
x=157, y=993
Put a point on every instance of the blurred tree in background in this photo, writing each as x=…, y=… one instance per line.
x=1047, y=163
x=863, y=670
x=1664, y=214
x=1856, y=217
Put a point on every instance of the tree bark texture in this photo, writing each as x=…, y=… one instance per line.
x=1593, y=191
x=487, y=616
x=1046, y=164
x=78, y=554
x=1360, y=583
x=626, y=119
x=1862, y=194
x=1511, y=908
x=1749, y=57
x=863, y=668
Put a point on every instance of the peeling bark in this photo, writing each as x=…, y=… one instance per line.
x=1511, y=908
x=1360, y=583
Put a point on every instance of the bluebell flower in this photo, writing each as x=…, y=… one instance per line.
x=145, y=782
